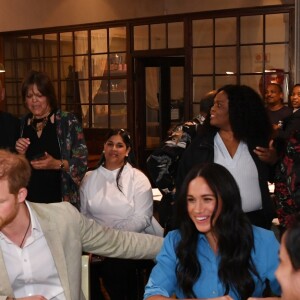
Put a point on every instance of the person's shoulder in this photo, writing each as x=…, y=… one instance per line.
x=173, y=236
x=263, y=236
x=286, y=108
x=8, y=116
x=59, y=209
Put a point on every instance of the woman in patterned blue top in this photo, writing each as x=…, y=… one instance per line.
x=215, y=251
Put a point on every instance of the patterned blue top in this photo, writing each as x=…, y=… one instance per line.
x=163, y=280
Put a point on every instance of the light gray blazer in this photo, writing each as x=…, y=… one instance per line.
x=68, y=233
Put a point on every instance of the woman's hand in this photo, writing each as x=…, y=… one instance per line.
x=267, y=155
x=22, y=145
x=48, y=162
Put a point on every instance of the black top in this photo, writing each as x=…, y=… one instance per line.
x=44, y=185
x=9, y=130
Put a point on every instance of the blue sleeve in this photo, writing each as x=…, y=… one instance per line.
x=162, y=280
x=266, y=257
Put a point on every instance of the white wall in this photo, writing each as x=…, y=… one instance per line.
x=30, y=14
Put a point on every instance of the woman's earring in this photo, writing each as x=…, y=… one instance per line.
x=103, y=151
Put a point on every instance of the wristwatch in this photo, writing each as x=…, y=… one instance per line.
x=62, y=165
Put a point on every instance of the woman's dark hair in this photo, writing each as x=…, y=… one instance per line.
x=44, y=85
x=292, y=242
x=247, y=115
x=232, y=229
x=127, y=140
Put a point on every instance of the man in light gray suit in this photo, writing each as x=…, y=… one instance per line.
x=41, y=244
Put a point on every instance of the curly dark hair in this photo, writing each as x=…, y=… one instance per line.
x=247, y=115
x=130, y=158
x=232, y=229
x=292, y=242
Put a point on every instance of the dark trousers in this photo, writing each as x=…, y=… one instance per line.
x=123, y=279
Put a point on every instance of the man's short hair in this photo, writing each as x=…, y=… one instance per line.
x=14, y=168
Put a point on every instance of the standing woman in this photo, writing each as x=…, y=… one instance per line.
x=53, y=142
x=237, y=135
x=120, y=196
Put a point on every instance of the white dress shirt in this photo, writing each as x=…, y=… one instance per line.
x=243, y=169
x=31, y=269
x=130, y=209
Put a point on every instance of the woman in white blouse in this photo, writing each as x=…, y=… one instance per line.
x=120, y=196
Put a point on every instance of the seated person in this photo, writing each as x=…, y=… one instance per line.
x=41, y=244
x=120, y=196
x=215, y=251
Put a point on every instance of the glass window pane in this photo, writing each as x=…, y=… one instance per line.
x=251, y=59
x=10, y=67
x=175, y=35
x=225, y=31
x=82, y=66
x=158, y=36
x=100, y=117
x=81, y=42
x=65, y=64
x=37, y=64
x=51, y=68
x=51, y=44
x=117, y=94
x=99, y=41
x=66, y=43
x=99, y=65
x=86, y=122
x=203, y=32
x=117, y=39
x=203, y=61
x=84, y=91
x=117, y=64
x=100, y=91
x=22, y=47
x=201, y=86
x=278, y=56
x=277, y=28
x=118, y=116
x=36, y=43
x=251, y=29
x=223, y=80
x=252, y=81
x=225, y=60
x=277, y=76
x=9, y=48
x=141, y=37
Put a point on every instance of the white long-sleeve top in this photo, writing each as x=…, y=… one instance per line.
x=101, y=200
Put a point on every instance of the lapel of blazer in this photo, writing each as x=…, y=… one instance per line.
x=5, y=287
x=50, y=231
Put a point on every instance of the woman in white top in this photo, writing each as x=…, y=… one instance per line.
x=120, y=196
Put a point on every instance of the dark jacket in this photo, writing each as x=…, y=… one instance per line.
x=290, y=125
x=9, y=130
x=73, y=149
x=201, y=150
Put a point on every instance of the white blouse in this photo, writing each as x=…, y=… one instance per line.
x=242, y=167
x=101, y=200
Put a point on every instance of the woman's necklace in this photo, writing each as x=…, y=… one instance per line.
x=25, y=233
x=39, y=124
